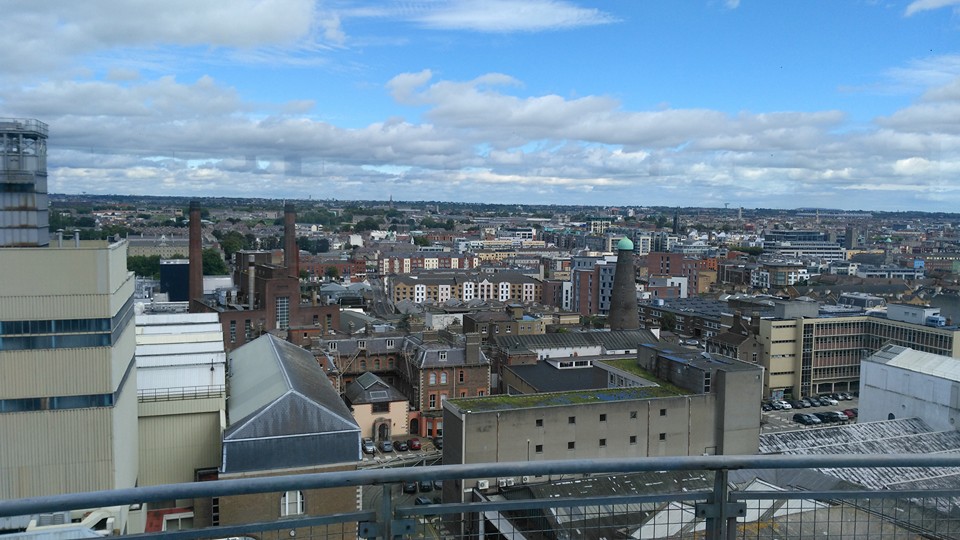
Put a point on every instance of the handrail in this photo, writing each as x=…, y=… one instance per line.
x=246, y=486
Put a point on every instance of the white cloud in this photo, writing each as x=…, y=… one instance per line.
x=926, y=5
x=509, y=15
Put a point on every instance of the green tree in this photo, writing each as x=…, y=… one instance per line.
x=213, y=264
x=231, y=242
x=332, y=272
x=668, y=322
x=421, y=240
x=147, y=266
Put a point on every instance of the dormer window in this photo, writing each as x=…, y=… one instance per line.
x=390, y=344
x=443, y=355
x=332, y=345
x=362, y=345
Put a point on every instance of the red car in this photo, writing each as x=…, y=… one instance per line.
x=413, y=444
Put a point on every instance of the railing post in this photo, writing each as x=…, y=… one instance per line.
x=720, y=512
x=386, y=511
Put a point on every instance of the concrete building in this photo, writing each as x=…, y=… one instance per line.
x=68, y=405
x=899, y=382
x=181, y=370
x=808, y=354
x=715, y=413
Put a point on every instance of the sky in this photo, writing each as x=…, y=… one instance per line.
x=850, y=104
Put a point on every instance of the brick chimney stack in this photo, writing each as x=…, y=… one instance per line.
x=291, y=253
x=195, y=286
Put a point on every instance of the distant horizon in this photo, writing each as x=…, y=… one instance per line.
x=731, y=210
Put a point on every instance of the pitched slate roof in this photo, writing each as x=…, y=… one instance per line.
x=368, y=388
x=283, y=411
x=617, y=340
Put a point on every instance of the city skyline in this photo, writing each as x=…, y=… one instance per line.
x=705, y=103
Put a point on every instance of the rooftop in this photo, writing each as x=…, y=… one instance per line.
x=559, y=399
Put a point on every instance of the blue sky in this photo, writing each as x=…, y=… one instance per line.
x=757, y=103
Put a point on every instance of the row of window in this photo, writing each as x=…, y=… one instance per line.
x=432, y=377
x=62, y=403
x=65, y=333
x=603, y=418
x=601, y=443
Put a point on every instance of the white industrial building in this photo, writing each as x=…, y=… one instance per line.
x=899, y=382
x=181, y=391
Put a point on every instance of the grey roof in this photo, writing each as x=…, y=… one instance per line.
x=616, y=340
x=546, y=378
x=944, y=367
x=427, y=354
x=368, y=388
x=372, y=344
x=283, y=411
x=906, y=436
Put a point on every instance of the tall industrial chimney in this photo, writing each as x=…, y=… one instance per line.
x=195, y=287
x=291, y=254
x=623, y=314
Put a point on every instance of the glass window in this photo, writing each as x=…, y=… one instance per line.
x=291, y=503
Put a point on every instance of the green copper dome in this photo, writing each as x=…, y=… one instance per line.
x=625, y=244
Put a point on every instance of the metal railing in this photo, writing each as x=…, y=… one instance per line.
x=709, y=506
x=184, y=392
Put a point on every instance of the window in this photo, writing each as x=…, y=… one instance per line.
x=460, y=376
x=363, y=365
x=481, y=393
x=539, y=422
x=283, y=312
x=663, y=436
x=571, y=445
x=603, y=443
x=603, y=417
x=463, y=393
x=247, y=330
x=382, y=407
x=633, y=439
x=443, y=377
x=291, y=503
x=539, y=448
x=362, y=345
x=571, y=419
x=663, y=412
x=233, y=331
x=332, y=345
x=633, y=415
x=433, y=401
x=432, y=378
x=390, y=344
x=443, y=356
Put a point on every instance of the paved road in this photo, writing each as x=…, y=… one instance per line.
x=773, y=421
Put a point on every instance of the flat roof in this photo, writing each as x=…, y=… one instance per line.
x=557, y=399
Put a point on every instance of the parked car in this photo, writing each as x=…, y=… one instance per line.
x=850, y=413
x=368, y=446
x=438, y=485
x=840, y=416
x=422, y=500
x=829, y=400
x=814, y=402
x=806, y=419
x=410, y=486
x=766, y=406
x=806, y=402
x=785, y=405
x=400, y=446
x=825, y=417
x=438, y=442
x=845, y=396
x=386, y=446
x=413, y=444
x=425, y=486
x=796, y=403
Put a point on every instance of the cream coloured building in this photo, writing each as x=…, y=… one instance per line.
x=181, y=395
x=68, y=400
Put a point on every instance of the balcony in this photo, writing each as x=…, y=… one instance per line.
x=715, y=500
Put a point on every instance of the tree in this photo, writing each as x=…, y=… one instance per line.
x=668, y=322
x=332, y=272
x=213, y=264
x=421, y=241
x=144, y=265
x=231, y=242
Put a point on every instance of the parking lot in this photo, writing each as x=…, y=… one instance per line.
x=427, y=455
x=782, y=420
